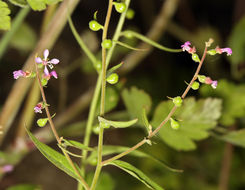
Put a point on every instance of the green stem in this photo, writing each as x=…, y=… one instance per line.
x=19, y=18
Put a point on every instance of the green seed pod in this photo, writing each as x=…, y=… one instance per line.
x=42, y=122
x=94, y=25
x=201, y=78
x=212, y=52
x=195, y=58
x=174, y=124
x=130, y=14
x=195, y=85
x=106, y=44
x=44, y=81
x=113, y=78
x=120, y=7
x=177, y=101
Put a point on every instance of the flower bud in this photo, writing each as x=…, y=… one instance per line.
x=106, y=44
x=174, y=124
x=94, y=25
x=120, y=7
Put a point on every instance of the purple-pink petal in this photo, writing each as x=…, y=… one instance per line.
x=18, y=74
x=7, y=168
x=46, y=72
x=186, y=46
x=54, y=61
x=227, y=50
x=38, y=60
x=214, y=84
x=45, y=54
x=37, y=109
x=54, y=74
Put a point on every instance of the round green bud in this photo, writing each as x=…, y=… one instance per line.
x=96, y=130
x=195, y=85
x=94, y=25
x=174, y=124
x=130, y=14
x=44, y=82
x=177, y=101
x=42, y=122
x=195, y=58
x=201, y=78
x=106, y=44
x=113, y=78
x=212, y=52
x=120, y=7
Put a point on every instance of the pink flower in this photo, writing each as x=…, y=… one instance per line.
x=46, y=62
x=7, y=168
x=38, y=108
x=51, y=74
x=186, y=47
x=223, y=50
x=213, y=83
x=18, y=74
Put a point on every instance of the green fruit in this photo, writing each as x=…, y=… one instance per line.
x=113, y=78
x=120, y=7
x=130, y=14
x=174, y=124
x=195, y=85
x=42, y=122
x=106, y=44
x=195, y=58
x=177, y=101
x=94, y=25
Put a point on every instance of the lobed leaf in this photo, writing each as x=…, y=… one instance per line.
x=4, y=16
x=20, y=3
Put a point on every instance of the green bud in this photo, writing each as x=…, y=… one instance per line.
x=44, y=81
x=130, y=14
x=128, y=34
x=106, y=44
x=96, y=130
x=212, y=52
x=113, y=78
x=195, y=85
x=201, y=78
x=42, y=122
x=120, y=7
x=195, y=58
x=177, y=101
x=94, y=25
x=174, y=124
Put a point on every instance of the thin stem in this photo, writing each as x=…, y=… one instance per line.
x=164, y=121
x=55, y=132
x=102, y=103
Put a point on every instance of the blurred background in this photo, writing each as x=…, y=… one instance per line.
x=213, y=165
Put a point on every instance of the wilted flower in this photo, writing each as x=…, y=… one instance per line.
x=45, y=62
x=223, y=50
x=38, y=108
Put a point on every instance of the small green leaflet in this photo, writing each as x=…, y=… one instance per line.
x=235, y=137
x=118, y=124
x=195, y=119
x=135, y=172
x=135, y=100
x=76, y=144
x=4, y=16
x=39, y=5
x=55, y=157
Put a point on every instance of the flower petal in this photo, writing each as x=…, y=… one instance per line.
x=46, y=72
x=18, y=74
x=54, y=61
x=45, y=54
x=38, y=60
x=54, y=74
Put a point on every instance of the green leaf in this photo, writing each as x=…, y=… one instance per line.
x=118, y=124
x=55, y=157
x=76, y=144
x=20, y=3
x=39, y=5
x=135, y=172
x=237, y=42
x=4, y=18
x=24, y=187
x=135, y=101
x=110, y=149
x=105, y=181
x=233, y=100
x=195, y=119
x=235, y=137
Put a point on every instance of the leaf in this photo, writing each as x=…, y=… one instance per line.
x=135, y=101
x=76, y=144
x=105, y=181
x=39, y=5
x=110, y=149
x=114, y=68
x=55, y=157
x=20, y=3
x=235, y=137
x=24, y=187
x=4, y=16
x=233, y=100
x=118, y=124
x=195, y=118
x=135, y=172
x=237, y=42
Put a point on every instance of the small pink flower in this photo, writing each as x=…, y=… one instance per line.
x=38, y=108
x=18, y=74
x=7, y=168
x=213, y=83
x=46, y=62
x=223, y=50
x=54, y=74
x=186, y=47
